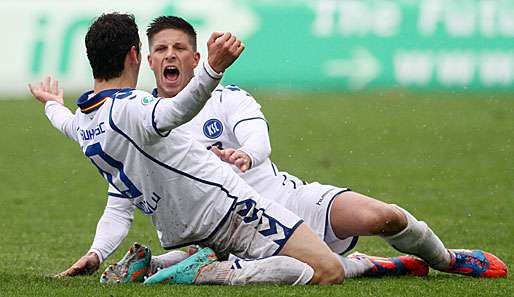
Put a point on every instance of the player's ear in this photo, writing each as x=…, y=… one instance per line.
x=149, y=59
x=196, y=58
x=135, y=55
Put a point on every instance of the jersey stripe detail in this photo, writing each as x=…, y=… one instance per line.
x=116, y=195
x=236, y=264
x=249, y=119
x=154, y=124
x=88, y=104
x=209, y=73
x=94, y=106
x=287, y=238
x=273, y=167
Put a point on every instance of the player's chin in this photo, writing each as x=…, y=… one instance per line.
x=171, y=89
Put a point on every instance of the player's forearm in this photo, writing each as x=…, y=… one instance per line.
x=171, y=113
x=61, y=118
x=254, y=139
x=112, y=228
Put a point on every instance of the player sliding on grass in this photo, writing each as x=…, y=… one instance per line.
x=232, y=124
x=191, y=195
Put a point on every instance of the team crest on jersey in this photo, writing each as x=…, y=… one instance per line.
x=147, y=100
x=213, y=128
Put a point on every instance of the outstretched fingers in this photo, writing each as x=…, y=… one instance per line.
x=47, y=90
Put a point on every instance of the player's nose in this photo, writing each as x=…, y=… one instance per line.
x=170, y=54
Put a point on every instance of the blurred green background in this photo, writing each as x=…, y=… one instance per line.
x=291, y=44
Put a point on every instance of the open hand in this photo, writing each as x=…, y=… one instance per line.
x=223, y=49
x=47, y=91
x=87, y=264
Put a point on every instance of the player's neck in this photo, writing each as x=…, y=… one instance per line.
x=121, y=82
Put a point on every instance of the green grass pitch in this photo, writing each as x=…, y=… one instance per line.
x=449, y=159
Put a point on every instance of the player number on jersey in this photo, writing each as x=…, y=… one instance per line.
x=112, y=170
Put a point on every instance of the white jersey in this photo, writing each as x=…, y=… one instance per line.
x=224, y=121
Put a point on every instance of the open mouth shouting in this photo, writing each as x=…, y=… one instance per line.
x=171, y=74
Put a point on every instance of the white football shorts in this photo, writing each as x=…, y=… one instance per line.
x=254, y=228
x=312, y=202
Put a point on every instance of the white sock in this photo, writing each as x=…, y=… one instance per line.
x=166, y=260
x=272, y=270
x=354, y=267
x=419, y=240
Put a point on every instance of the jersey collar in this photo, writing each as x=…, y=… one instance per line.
x=154, y=93
x=88, y=103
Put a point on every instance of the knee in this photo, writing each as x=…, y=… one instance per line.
x=328, y=272
x=386, y=220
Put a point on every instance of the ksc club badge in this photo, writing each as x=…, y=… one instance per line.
x=212, y=128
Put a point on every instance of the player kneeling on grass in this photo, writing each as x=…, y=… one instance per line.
x=188, y=192
x=241, y=125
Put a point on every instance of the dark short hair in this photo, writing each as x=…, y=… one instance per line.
x=108, y=41
x=171, y=22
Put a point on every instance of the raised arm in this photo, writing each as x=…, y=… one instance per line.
x=223, y=50
x=49, y=93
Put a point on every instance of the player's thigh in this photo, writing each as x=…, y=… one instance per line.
x=354, y=214
x=307, y=247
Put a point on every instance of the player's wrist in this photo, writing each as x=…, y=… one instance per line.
x=95, y=256
x=50, y=103
x=211, y=72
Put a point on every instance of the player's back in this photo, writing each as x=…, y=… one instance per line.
x=186, y=189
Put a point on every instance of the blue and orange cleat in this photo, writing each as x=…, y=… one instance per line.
x=476, y=263
x=131, y=268
x=394, y=266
